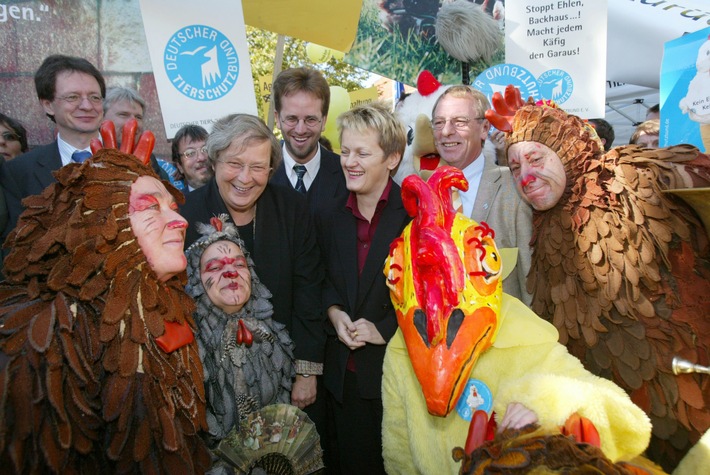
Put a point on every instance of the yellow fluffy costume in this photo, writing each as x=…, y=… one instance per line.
x=445, y=279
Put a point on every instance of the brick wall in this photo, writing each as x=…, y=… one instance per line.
x=109, y=33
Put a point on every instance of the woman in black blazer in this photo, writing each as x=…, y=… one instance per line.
x=355, y=240
x=276, y=227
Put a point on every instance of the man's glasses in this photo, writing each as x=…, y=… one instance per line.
x=191, y=153
x=460, y=123
x=10, y=137
x=292, y=120
x=95, y=99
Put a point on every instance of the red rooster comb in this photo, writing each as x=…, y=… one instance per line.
x=427, y=83
x=141, y=151
x=216, y=223
x=504, y=108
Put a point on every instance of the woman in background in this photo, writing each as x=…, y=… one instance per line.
x=13, y=142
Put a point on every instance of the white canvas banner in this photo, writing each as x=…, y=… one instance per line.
x=200, y=60
x=562, y=43
x=638, y=30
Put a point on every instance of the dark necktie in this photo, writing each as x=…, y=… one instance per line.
x=300, y=171
x=80, y=156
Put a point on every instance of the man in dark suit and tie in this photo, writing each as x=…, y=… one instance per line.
x=301, y=101
x=71, y=91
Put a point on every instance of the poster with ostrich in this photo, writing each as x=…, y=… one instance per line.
x=400, y=38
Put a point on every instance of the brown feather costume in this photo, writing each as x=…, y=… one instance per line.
x=83, y=386
x=622, y=270
x=531, y=451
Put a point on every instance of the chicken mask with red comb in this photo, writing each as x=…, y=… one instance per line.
x=445, y=280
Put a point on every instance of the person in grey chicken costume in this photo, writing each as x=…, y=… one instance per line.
x=247, y=356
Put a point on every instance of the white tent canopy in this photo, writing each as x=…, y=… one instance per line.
x=626, y=106
x=637, y=31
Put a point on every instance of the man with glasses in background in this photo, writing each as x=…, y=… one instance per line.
x=71, y=91
x=301, y=101
x=122, y=104
x=460, y=131
x=190, y=157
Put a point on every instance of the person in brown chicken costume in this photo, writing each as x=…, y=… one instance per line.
x=620, y=267
x=99, y=371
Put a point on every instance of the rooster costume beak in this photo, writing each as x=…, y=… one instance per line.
x=445, y=280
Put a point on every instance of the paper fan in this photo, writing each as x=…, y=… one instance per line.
x=279, y=439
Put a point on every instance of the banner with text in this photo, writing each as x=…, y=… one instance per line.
x=361, y=97
x=685, y=91
x=200, y=61
x=265, y=83
x=561, y=43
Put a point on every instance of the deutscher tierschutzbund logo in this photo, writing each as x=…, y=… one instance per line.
x=201, y=62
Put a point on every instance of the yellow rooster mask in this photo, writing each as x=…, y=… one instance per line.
x=445, y=279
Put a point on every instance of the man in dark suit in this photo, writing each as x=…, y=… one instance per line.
x=71, y=91
x=355, y=240
x=301, y=101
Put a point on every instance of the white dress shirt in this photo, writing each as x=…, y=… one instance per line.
x=312, y=168
x=473, y=173
x=66, y=150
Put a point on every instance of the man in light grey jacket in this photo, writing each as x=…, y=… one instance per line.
x=460, y=130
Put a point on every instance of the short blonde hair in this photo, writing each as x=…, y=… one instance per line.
x=649, y=127
x=376, y=116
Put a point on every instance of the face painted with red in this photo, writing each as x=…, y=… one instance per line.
x=539, y=174
x=158, y=227
x=224, y=273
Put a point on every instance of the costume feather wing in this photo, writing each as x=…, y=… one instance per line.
x=623, y=271
x=71, y=402
x=164, y=406
x=48, y=384
x=238, y=378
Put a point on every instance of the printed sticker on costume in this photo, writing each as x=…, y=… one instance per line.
x=496, y=78
x=201, y=62
x=475, y=396
x=556, y=84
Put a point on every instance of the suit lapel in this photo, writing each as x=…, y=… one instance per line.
x=390, y=226
x=487, y=192
x=46, y=164
x=346, y=247
x=326, y=183
x=280, y=177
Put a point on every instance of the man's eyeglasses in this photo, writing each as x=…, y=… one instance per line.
x=191, y=153
x=460, y=123
x=292, y=120
x=10, y=137
x=95, y=99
